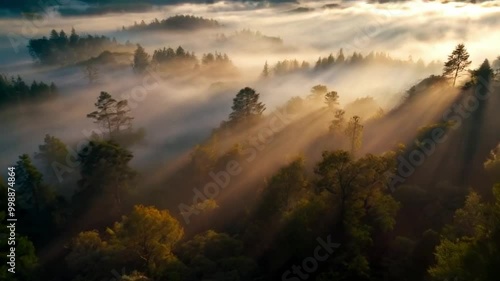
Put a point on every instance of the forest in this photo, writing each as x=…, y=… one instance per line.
x=247, y=143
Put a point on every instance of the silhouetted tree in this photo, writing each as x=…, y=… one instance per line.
x=318, y=93
x=457, y=62
x=354, y=132
x=340, y=57
x=52, y=153
x=141, y=59
x=105, y=173
x=246, y=107
x=332, y=99
x=265, y=71
x=338, y=123
x=112, y=115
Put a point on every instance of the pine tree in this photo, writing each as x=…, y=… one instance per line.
x=246, y=107
x=112, y=115
x=354, y=132
x=33, y=193
x=265, y=72
x=340, y=57
x=458, y=60
x=141, y=59
x=73, y=38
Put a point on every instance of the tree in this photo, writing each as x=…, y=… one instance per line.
x=496, y=67
x=33, y=194
x=484, y=73
x=141, y=59
x=246, y=107
x=89, y=256
x=338, y=123
x=457, y=62
x=112, y=115
x=470, y=247
x=26, y=265
x=354, y=132
x=492, y=165
x=91, y=73
x=105, y=172
x=147, y=236
x=340, y=57
x=332, y=99
x=265, y=71
x=73, y=38
x=52, y=152
x=364, y=207
x=318, y=93
x=53, y=35
x=216, y=256
x=284, y=190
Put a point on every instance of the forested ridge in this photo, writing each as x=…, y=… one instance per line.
x=410, y=192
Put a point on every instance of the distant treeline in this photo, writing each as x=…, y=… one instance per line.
x=15, y=90
x=182, y=60
x=61, y=49
x=178, y=22
x=330, y=61
x=246, y=35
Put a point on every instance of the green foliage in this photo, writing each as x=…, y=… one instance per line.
x=26, y=260
x=144, y=239
x=359, y=185
x=16, y=90
x=32, y=192
x=284, y=191
x=151, y=249
x=213, y=255
x=89, y=256
x=470, y=249
x=59, y=49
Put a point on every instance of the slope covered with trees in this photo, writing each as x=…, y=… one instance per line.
x=312, y=189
